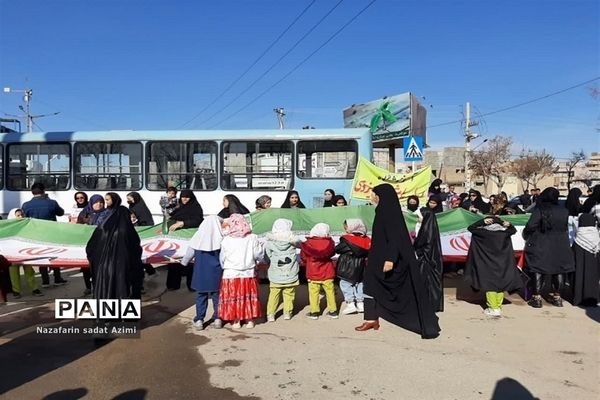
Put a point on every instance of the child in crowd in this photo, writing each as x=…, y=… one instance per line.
x=238, y=295
x=283, y=271
x=205, y=248
x=353, y=250
x=491, y=265
x=316, y=255
x=28, y=272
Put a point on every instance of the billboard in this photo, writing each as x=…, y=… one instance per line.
x=390, y=119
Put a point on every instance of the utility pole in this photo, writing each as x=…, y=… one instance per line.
x=28, y=93
x=280, y=116
x=468, y=137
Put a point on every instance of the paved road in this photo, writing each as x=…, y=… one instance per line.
x=552, y=353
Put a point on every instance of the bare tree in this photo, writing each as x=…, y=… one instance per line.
x=533, y=167
x=576, y=158
x=493, y=161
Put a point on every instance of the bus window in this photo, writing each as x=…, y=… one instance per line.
x=108, y=166
x=334, y=159
x=39, y=162
x=257, y=165
x=182, y=165
x=1, y=166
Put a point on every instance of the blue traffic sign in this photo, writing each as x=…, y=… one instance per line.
x=413, y=148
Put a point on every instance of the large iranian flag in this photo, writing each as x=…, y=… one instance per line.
x=37, y=242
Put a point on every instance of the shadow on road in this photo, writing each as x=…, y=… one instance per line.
x=67, y=394
x=510, y=389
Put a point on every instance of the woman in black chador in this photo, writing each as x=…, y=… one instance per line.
x=115, y=254
x=548, y=255
x=394, y=288
x=428, y=248
x=586, y=290
x=491, y=265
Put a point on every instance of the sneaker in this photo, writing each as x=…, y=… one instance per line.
x=236, y=325
x=313, y=315
x=270, y=318
x=333, y=314
x=60, y=282
x=199, y=325
x=250, y=325
x=492, y=312
x=360, y=306
x=350, y=309
x=557, y=301
x=287, y=317
x=17, y=295
x=87, y=292
x=218, y=324
x=37, y=292
x=535, y=302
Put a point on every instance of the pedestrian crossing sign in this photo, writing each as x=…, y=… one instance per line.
x=413, y=148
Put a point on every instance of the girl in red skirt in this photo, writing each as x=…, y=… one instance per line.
x=238, y=297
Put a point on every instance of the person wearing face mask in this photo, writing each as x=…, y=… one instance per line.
x=412, y=203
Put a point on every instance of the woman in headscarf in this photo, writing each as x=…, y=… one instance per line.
x=395, y=288
x=263, y=202
x=138, y=206
x=547, y=251
x=238, y=295
x=114, y=254
x=412, y=203
x=81, y=201
x=573, y=206
x=205, y=248
x=586, y=288
x=292, y=200
x=434, y=204
x=592, y=203
x=428, y=249
x=328, y=198
x=188, y=214
x=491, y=265
x=435, y=188
x=232, y=205
x=339, y=201
x=475, y=203
x=112, y=200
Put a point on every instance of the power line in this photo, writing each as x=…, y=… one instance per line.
x=520, y=104
x=274, y=64
x=297, y=65
x=251, y=65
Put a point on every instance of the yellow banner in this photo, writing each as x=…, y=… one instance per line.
x=369, y=175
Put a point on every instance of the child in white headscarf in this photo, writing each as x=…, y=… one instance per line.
x=280, y=251
x=316, y=255
x=205, y=248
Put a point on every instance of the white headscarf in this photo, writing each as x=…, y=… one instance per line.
x=356, y=225
x=282, y=231
x=11, y=214
x=208, y=237
x=320, y=230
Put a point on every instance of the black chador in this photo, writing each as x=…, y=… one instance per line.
x=400, y=295
x=491, y=264
x=429, y=254
x=114, y=254
x=586, y=288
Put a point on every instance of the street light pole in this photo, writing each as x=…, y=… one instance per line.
x=26, y=99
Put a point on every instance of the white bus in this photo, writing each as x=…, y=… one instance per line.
x=246, y=163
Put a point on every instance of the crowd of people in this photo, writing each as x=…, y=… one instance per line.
x=391, y=275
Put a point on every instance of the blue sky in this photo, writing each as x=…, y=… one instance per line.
x=156, y=64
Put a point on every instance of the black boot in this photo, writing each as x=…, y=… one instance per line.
x=535, y=301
